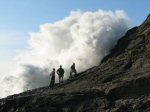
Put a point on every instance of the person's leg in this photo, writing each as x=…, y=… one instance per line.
x=52, y=83
x=75, y=72
x=71, y=74
x=59, y=79
x=62, y=79
x=53, y=86
x=50, y=86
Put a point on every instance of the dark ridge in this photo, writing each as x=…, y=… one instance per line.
x=121, y=45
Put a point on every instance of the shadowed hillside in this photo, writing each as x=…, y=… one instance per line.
x=121, y=83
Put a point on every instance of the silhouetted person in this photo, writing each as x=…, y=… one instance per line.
x=60, y=73
x=73, y=70
x=52, y=75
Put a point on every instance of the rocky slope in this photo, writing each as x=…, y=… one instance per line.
x=121, y=83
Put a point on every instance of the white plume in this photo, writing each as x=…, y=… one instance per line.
x=82, y=37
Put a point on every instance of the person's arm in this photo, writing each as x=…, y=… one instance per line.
x=58, y=71
x=63, y=70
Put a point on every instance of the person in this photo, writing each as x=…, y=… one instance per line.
x=52, y=75
x=73, y=70
x=60, y=73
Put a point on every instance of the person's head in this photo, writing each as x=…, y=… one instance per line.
x=53, y=69
x=73, y=63
x=60, y=66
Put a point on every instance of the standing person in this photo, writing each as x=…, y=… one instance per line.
x=73, y=70
x=52, y=75
x=60, y=73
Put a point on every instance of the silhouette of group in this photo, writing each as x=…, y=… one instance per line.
x=60, y=72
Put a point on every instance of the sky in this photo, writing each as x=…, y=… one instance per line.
x=20, y=17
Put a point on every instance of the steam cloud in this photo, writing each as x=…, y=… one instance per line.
x=82, y=37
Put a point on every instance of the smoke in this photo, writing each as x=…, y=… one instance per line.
x=82, y=37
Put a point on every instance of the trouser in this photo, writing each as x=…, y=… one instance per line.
x=52, y=82
x=61, y=78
